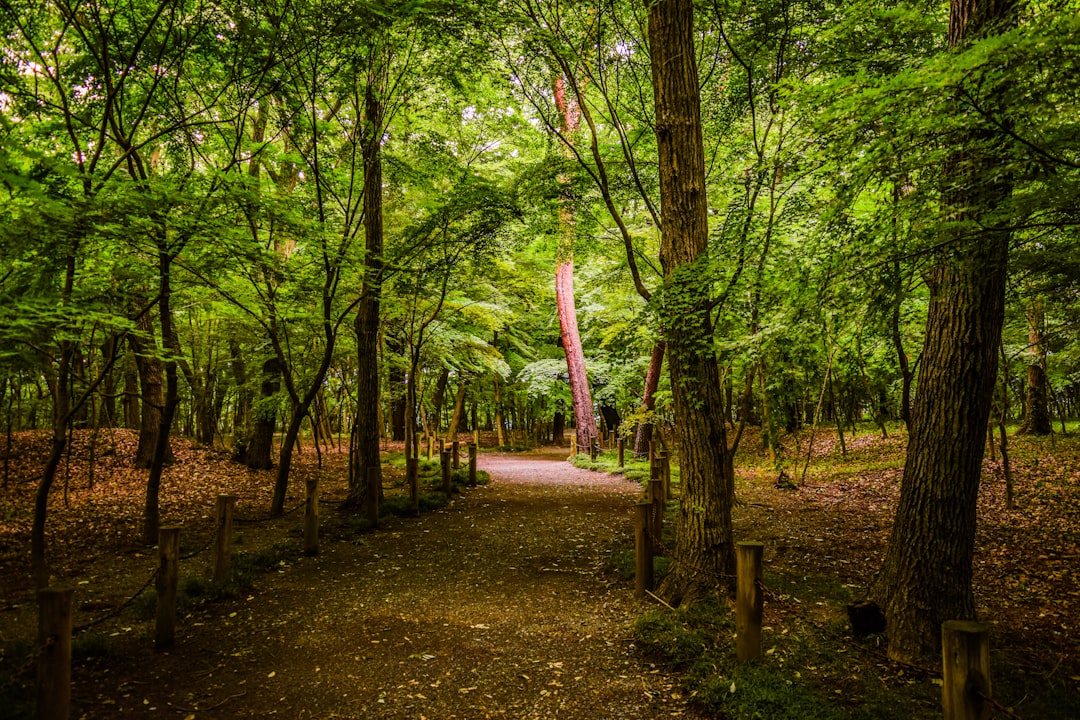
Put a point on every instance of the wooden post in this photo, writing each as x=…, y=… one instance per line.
x=652, y=452
x=456, y=448
x=643, y=550
x=447, y=483
x=311, y=518
x=594, y=448
x=54, y=653
x=573, y=448
x=430, y=447
x=621, y=445
x=472, y=463
x=965, y=656
x=748, y=600
x=165, y=584
x=372, y=498
x=223, y=548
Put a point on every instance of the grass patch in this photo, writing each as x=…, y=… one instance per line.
x=803, y=676
x=401, y=505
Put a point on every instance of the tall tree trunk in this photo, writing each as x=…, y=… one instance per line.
x=648, y=399
x=397, y=378
x=61, y=417
x=241, y=420
x=459, y=410
x=1036, y=398
x=366, y=451
x=500, y=423
x=108, y=416
x=926, y=576
x=575, y=356
x=132, y=392
x=259, y=452
x=151, y=510
x=704, y=538
x=564, y=289
x=437, y=401
x=151, y=388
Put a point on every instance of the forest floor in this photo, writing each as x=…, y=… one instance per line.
x=506, y=603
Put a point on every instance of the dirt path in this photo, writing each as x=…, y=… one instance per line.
x=495, y=607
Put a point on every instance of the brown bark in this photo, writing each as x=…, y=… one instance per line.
x=1036, y=398
x=151, y=388
x=648, y=398
x=704, y=542
x=162, y=454
x=459, y=411
x=259, y=452
x=365, y=464
x=926, y=576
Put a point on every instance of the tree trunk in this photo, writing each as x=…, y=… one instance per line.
x=704, y=538
x=459, y=410
x=151, y=388
x=437, y=401
x=648, y=399
x=1036, y=400
x=365, y=454
x=151, y=511
x=926, y=577
x=564, y=289
x=131, y=392
x=575, y=356
x=244, y=397
x=397, y=378
x=558, y=428
x=259, y=452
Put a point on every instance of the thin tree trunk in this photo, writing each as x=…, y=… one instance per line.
x=1036, y=401
x=151, y=509
x=648, y=399
x=459, y=410
x=151, y=390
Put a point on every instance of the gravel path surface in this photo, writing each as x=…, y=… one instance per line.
x=497, y=606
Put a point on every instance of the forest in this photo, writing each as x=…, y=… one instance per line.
x=244, y=235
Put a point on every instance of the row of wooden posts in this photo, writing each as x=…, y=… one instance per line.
x=54, y=603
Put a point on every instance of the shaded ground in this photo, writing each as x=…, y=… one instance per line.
x=502, y=604
x=497, y=606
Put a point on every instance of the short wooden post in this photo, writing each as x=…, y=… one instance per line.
x=54, y=653
x=652, y=452
x=643, y=550
x=748, y=600
x=165, y=584
x=594, y=447
x=456, y=448
x=371, y=498
x=447, y=484
x=223, y=548
x=965, y=655
x=430, y=447
x=472, y=463
x=311, y=518
x=573, y=448
x=621, y=445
